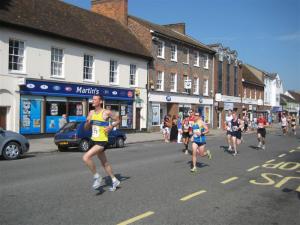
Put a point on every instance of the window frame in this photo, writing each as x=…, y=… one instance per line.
x=92, y=68
x=23, y=71
x=196, y=82
x=135, y=75
x=175, y=53
x=62, y=75
x=162, y=43
x=116, y=72
x=175, y=82
x=162, y=81
x=187, y=62
x=197, y=58
x=205, y=87
x=206, y=62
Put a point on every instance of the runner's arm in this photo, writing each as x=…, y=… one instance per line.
x=87, y=124
x=114, y=118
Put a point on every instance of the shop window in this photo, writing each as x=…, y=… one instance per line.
x=156, y=115
x=55, y=108
x=75, y=109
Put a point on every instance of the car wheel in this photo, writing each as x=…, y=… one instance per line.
x=84, y=145
x=11, y=150
x=120, y=142
x=62, y=148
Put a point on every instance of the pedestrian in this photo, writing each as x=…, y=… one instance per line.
x=246, y=123
x=236, y=134
x=174, y=130
x=166, y=128
x=284, y=124
x=227, y=127
x=98, y=121
x=261, y=131
x=179, y=126
x=293, y=124
x=200, y=129
x=63, y=121
x=185, y=134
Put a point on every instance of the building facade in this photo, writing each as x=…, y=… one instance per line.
x=47, y=71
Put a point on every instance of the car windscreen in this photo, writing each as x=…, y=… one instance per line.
x=70, y=127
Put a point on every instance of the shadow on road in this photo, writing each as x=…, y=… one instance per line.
x=107, y=183
x=288, y=190
x=253, y=147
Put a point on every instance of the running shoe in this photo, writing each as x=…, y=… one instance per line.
x=259, y=145
x=194, y=169
x=209, y=155
x=115, y=184
x=234, y=154
x=97, y=183
x=263, y=147
x=229, y=148
x=186, y=152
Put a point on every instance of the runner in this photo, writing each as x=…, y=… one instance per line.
x=98, y=121
x=185, y=134
x=200, y=129
x=261, y=131
x=236, y=134
x=284, y=124
x=227, y=126
x=293, y=124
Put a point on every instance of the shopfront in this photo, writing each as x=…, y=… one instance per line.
x=43, y=103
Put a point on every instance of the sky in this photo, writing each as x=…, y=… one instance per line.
x=265, y=33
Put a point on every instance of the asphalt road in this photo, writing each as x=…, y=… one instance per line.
x=256, y=187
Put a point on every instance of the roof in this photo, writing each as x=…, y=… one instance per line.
x=249, y=76
x=164, y=30
x=296, y=95
x=284, y=99
x=54, y=17
x=257, y=72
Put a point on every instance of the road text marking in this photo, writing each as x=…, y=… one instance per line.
x=293, y=150
x=229, y=180
x=282, y=155
x=272, y=160
x=253, y=168
x=192, y=195
x=134, y=219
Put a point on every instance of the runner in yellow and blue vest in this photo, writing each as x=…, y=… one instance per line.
x=200, y=129
x=98, y=121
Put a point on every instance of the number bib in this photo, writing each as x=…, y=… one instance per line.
x=95, y=131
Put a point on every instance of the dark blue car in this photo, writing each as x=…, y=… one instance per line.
x=73, y=134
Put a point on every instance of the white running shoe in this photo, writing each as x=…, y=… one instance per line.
x=263, y=147
x=115, y=184
x=229, y=148
x=186, y=152
x=259, y=145
x=97, y=183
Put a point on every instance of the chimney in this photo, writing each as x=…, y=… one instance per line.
x=114, y=9
x=179, y=27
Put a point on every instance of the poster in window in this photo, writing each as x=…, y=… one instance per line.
x=79, y=109
x=155, y=115
x=124, y=121
x=54, y=109
x=129, y=115
x=26, y=107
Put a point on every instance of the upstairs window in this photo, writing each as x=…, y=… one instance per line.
x=173, y=82
x=196, y=86
x=113, y=72
x=205, y=87
x=186, y=55
x=16, y=56
x=133, y=75
x=57, y=62
x=174, y=52
x=196, y=58
x=205, y=63
x=160, y=49
x=220, y=77
x=160, y=81
x=88, y=68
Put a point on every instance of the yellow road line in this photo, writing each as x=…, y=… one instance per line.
x=298, y=147
x=134, y=219
x=192, y=195
x=293, y=150
x=272, y=160
x=282, y=155
x=253, y=168
x=229, y=180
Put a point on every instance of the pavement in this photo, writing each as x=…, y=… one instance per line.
x=46, y=145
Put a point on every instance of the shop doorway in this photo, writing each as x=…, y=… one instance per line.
x=138, y=119
x=3, y=112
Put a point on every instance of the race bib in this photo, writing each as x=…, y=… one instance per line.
x=95, y=131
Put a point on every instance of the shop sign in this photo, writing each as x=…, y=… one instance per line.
x=228, y=106
x=200, y=100
x=74, y=90
x=168, y=98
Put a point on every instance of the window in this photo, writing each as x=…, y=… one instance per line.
x=220, y=83
x=186, y=55
x=173, y=82
x=196, y=86
x=113, y=72
x=156, y=114
x=57, y=62
x=228, y=80
x=185, y=78
x=16, y=56
x=205, y=87
x=255, y=93
x=133, y=75
x=205, y=63
x=88, y=68
x=250, y=94
x=235, y=81
x=196, y=58
x=174, y=52
x=245, y=93
x=160, y=81
x=161, y=49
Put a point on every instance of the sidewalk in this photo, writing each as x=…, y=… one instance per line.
x=44, y=145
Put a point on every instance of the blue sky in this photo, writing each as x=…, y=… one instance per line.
x=265, y=33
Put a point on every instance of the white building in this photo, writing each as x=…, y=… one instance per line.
x=53, y=64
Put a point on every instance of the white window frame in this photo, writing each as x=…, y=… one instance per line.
x=206, y=62
x=115, y=72
x=187, y=55
x=205, y=87
x=61, y=63
x=134, y=75
x=175, y=82
x=196, y=86
x=175, y=53
x=185, y=77
x=162, y=81
x=92, y=68
x=196, y=58
x=162, y=44
x=23, y=57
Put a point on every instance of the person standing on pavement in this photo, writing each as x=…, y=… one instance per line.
x=261, y=131
x=200, y=129
x=98, y=121
x=227, y=126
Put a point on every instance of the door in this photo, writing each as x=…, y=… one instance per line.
x=3, y=111
x=138, y=119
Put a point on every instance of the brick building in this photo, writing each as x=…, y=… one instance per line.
x=180, y=76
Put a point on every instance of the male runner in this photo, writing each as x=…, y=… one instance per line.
x=228, y=129
x=98, y=121
x=185, y=134
x=261, y=131
x=236, y=134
